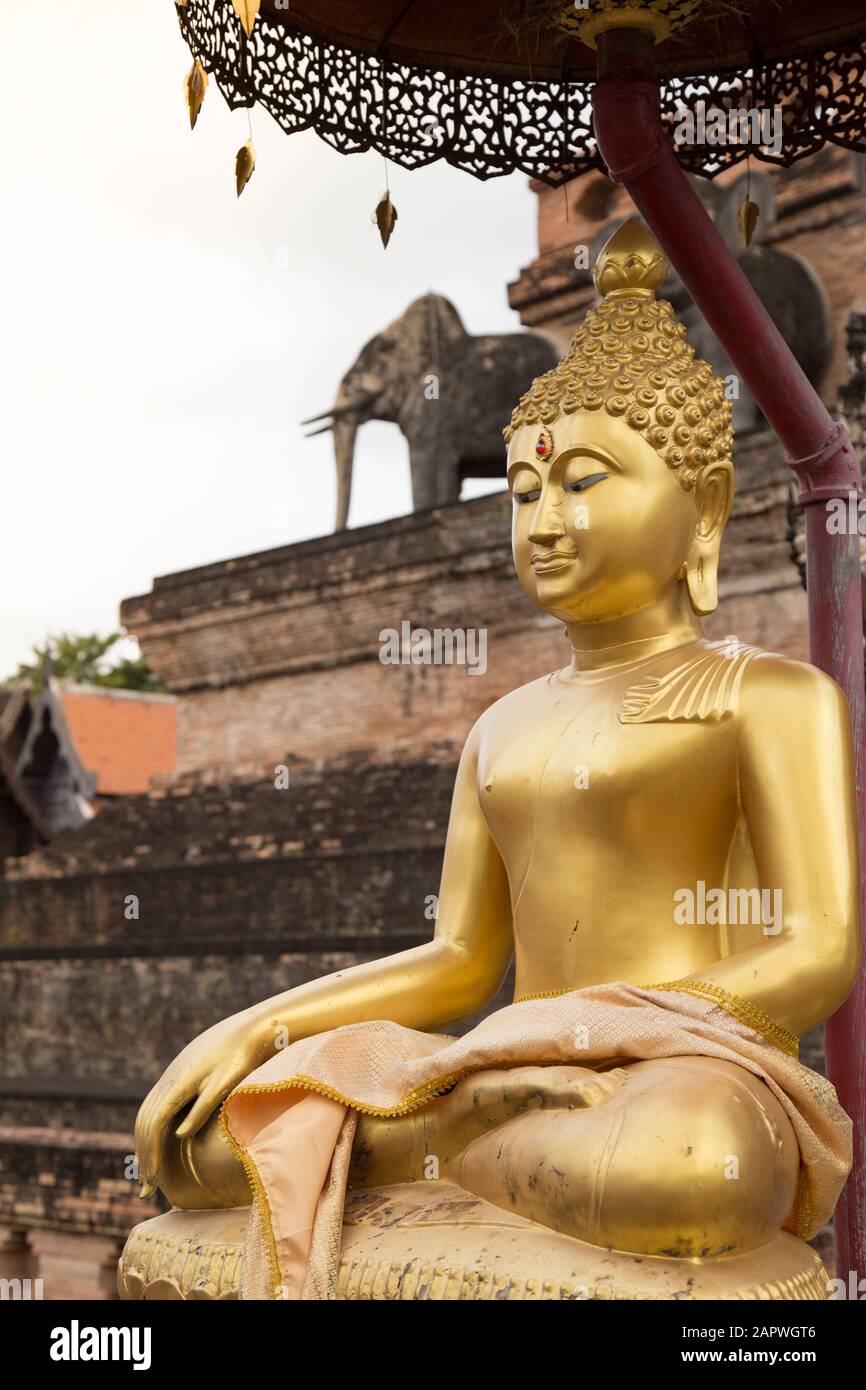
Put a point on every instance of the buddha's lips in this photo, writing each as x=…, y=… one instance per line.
x=552, y=561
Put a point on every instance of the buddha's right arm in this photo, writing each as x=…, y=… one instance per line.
x=426, y=987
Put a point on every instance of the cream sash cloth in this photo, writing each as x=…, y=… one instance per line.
x=292, y=1121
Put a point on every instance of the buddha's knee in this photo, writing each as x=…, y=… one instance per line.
x=692, y=1157
x=202, y=1172
x=704, y=1162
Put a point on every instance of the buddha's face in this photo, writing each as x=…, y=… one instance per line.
x=602, y=526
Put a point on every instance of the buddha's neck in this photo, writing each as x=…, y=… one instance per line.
x=658, y=628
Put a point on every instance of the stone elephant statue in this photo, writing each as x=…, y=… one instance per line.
x=450, y=393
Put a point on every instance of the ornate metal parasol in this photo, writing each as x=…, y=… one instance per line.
x=500, y=85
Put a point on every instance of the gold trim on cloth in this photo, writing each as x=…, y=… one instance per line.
x=411, y=1101
x=752, y=1015
x=261, y=1206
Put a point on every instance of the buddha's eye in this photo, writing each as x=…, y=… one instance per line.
x=583, y=483
x=525, y=485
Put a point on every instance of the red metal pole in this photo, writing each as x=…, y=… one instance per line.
x=638, y=153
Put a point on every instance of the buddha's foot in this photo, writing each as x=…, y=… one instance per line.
x=691, y=1157
x=425, y=1144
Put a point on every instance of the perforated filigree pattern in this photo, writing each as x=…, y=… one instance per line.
x=491, y=126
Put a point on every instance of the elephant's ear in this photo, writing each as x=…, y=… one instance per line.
x=449, y=337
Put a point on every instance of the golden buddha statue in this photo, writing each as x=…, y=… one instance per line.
x=591, y=807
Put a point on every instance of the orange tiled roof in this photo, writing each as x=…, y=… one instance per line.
x=124, y=736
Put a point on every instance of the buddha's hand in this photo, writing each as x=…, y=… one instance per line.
x=204, y=1073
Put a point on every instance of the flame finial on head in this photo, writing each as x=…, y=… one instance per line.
x=631, y=359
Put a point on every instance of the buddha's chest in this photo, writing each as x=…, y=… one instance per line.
x=571, y=767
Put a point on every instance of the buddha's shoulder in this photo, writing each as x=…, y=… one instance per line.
x=523, y=700
x=730, y=680
x=774, y=682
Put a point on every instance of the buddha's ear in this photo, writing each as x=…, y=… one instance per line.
x=714, y=495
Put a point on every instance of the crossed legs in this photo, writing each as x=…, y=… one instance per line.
x=682, y=1156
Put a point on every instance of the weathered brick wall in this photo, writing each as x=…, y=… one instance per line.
x=241, y=890
x=276, y=654
x=320, y=604
x=75, y=1181
x=67, y=1201
x=127, y=1018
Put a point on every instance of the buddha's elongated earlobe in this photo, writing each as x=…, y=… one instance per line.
x=714, y=494
x=702, y=585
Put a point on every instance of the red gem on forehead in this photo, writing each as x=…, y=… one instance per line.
x=541, y=447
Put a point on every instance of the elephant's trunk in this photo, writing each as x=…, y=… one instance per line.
x=345, y=430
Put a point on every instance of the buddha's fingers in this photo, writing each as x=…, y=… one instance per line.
x=157, y=1111
x=206, y=1103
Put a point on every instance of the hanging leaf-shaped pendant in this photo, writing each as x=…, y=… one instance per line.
x=194, y=86
x=747, y=218
x=386, y=216
x=246, y=11
x=245, y=163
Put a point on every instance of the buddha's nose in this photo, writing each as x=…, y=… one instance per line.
x=546, y=525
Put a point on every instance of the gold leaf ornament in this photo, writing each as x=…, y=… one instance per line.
x=246, y=11
x=747, y=218
x=386, y=216
x=245, y=163
x=194, y=87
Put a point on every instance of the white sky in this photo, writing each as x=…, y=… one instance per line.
x=155, y=360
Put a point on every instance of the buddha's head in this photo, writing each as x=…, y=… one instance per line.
x=619, y=459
